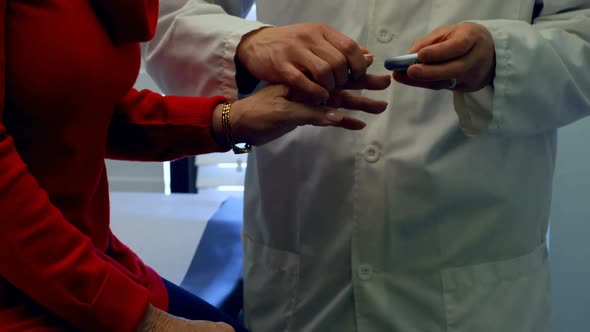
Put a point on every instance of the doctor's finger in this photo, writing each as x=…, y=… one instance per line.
x=434, y=37
x=296, y=79
x=446, y=50
x=457, y=69
x=345, y=99
x=369, y=82
x=351, y=50
x=319, y=69
x=369, y=58
x=403, y=78
x=336, y=60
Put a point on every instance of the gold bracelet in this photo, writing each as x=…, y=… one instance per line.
x=227, y=129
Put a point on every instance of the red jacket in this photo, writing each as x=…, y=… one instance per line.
x=66, y=72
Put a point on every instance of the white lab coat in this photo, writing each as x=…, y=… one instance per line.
x=414, y=223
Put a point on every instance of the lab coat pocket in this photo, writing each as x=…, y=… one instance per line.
x=446, y=12
x=271, y=276
x=509, y=296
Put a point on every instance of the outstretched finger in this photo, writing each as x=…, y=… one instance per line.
x=301, y=114
x=351, y=101
x=369, y=82
x=350, y=123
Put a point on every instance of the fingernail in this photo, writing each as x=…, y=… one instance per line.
x=369, y=55
x=334, y=116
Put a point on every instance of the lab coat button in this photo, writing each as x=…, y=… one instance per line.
x=384, y=35
x=365, y=272
x=372, y=154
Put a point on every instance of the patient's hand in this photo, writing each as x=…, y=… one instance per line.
x=271, y=113
x=156, y=320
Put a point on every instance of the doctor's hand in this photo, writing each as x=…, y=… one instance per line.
x=156, y=320
x=310, y=57
x=458, y=57
x=277, y=109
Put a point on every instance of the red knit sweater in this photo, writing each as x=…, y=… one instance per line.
x=66, y=72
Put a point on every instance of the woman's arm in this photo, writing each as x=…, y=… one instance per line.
x=148, y=126
x=47, y=258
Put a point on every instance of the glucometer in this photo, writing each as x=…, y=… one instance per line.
x=402, y=62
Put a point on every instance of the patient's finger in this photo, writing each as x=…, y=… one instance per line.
x=348, y=100
x=369, y=82
x=350, y=123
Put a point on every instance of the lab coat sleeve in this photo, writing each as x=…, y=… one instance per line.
x=192, y=53
x=542, y=77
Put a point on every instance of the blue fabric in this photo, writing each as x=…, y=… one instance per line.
x=215, y=273
x=182, y=303
x=539, y=5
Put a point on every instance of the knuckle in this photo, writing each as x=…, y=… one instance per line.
x=340, y=62
x=321, y=26
x=298, y=35
x=324, y=68
x=283, y=90
x=466, y=43
x=291, y=75
x=349, y=46
x=284, y=47
x=441, y=29
x=475, y=28
x=323, y=71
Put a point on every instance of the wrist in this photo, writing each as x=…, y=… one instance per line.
x=246, y=48
x=245, y=52
x=229, y=121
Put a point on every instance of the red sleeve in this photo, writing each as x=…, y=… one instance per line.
x=46, y=257
x=148, y=126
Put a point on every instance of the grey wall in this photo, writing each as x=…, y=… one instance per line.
x=570, y=230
